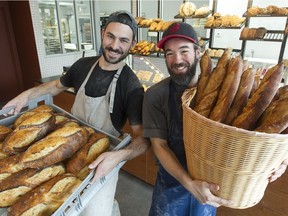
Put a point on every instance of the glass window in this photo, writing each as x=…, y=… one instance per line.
x=50, y=30
x=85, y=25
x=66, y=25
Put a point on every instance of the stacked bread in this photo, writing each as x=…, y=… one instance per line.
x=188, y=9
x=144, y=47
x=253, y=33
x=269, y=10
x=227, y=94
x=154, y=24
x=217, y=20
x=36, y=177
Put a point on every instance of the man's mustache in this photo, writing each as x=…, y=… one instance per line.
x=114, y=50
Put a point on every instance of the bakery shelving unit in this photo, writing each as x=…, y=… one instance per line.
x=212, y=30
x=270, y=36
x=204, y=40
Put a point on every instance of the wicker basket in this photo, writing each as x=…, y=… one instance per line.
x=239, y=161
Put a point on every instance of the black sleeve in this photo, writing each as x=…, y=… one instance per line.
x=76, y=74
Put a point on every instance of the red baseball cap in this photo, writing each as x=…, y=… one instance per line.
x=178, y=30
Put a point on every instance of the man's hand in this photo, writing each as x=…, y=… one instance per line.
x=104, y=164
x=203, y=192
x=275, y=175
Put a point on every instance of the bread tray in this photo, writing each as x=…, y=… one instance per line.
x=84, y=193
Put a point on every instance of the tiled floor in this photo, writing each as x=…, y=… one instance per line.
x=133, y=195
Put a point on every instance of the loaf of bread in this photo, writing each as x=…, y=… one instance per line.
x=78, y=164
x=2, y=153
x=277, y=120
x=4, y=132
x=32, y=129
x=47, y=198
x=244, y=33
x=41, y=108
x=224, y=59
x=206, y=69
x=274, y=119
x=17, y=184
x=228, y=89
x=211, y=92
x=10, y=165
x=68, y=123
x=260, y=99
x=282, y=93
x=56, y=147
x=242, y=95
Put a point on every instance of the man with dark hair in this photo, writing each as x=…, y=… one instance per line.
x=108, y=93
x=175, y=192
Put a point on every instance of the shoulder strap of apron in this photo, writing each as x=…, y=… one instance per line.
x=88, y=75
x=113, y=90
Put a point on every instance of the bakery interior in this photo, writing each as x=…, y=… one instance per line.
x=41, y=39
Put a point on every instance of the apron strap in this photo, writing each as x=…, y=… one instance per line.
x=113, y=90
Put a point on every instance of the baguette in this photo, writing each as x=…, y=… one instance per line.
x=242, y=95
x=225, y=58
x=228, y=90
x=17, y=184
x=206, y=69
x=29, y=131
x=4, y=132
x=260, y=99
x=210, y=94
x=282, y=93
x=277, y=120
x=56, y=147
x=10, y=165
x=96, y=145
x=46, y=198
x=2, y=153
x=28, y=114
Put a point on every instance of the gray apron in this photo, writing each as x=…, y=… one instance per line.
x=96, y=110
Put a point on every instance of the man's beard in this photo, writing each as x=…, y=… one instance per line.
x=110, y=60
x=183, y=79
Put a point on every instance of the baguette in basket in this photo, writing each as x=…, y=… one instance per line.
x=240, y=161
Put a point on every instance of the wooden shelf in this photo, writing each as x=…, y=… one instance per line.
x=271, y=35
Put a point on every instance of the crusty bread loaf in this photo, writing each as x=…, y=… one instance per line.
x=46, y=198
x=24, y=116
x=210, y=94
x=60, y=117
x=56, y=147
x=260, y=99
x=96, y=145
x=2, y=153
x=242, y=95
x=29, y=131
x=282, y=93
x=68, y=123
x=224, y=59
x=277, y=120
x=4, y=132
x=228, y=89
x=206, y=70
x=17, y=184
x=10, y=165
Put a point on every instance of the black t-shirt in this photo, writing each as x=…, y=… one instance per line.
x=129, y=91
